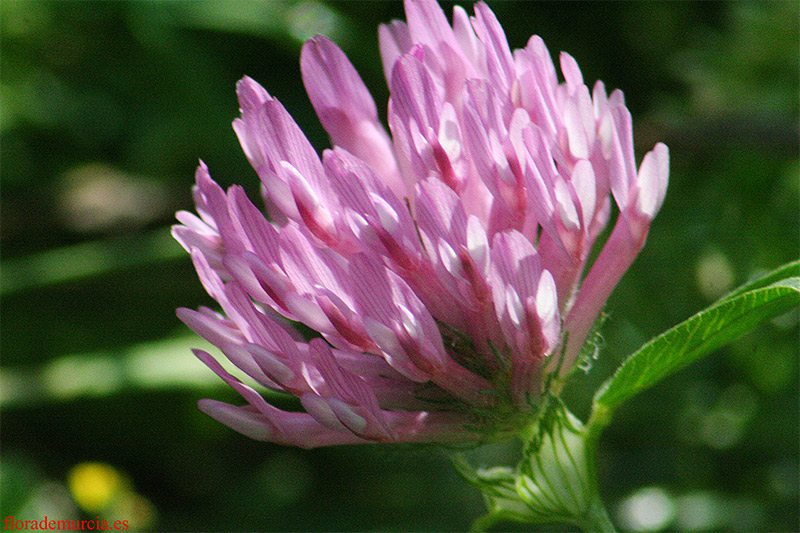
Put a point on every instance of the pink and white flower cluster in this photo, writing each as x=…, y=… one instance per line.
x=444, y=266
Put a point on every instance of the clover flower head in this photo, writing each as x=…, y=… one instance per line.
x=444, y=263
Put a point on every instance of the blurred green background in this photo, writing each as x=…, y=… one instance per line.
x=106, y=108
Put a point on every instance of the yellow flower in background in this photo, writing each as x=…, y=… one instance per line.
x=94, y=486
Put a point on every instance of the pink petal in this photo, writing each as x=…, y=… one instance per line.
x=346, y=109
x=652, y=181
x=571, y=71
x=500, y=64
x=428, y=25
x=394, y=40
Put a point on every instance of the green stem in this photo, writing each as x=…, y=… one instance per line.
x=556, y=480
x=597, y=519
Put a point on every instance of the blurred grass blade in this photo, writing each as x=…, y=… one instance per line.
x=706, y=331
x=88, y=259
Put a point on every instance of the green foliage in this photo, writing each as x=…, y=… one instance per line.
x=730, y=318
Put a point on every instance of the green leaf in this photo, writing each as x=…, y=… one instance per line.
x=787, y=271
x=730, y=318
